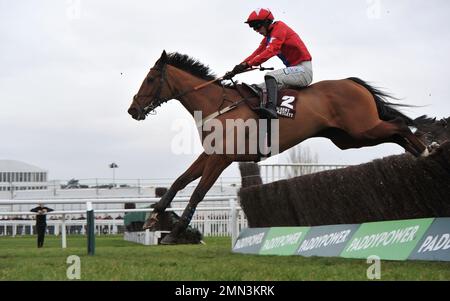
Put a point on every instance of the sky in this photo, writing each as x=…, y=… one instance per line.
x=69, y=70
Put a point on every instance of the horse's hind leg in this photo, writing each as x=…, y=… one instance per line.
x=390, y=129
x=344, y=141
x=405, y=144
x=416, y=143
x=191, y=174
x=412, y=141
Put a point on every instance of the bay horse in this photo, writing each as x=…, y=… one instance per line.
x=350, y=112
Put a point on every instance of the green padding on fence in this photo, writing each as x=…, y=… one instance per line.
x=134, y=217
x=420, y=239
x=283, y=240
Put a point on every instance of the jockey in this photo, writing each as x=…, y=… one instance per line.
x=279, y=39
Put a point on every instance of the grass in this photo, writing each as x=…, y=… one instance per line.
x=116, y=259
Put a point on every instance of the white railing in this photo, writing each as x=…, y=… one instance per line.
x=106, y=186
x=211, y=221
x=280, y=171
x=27, y=227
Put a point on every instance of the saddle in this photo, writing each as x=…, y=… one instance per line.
x=257, y=99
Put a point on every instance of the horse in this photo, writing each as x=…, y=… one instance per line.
x=349, y=112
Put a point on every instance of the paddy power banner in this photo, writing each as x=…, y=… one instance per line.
x=283, y=241
x=388, y=240
x=419, y=239
x=435, y=244
x=250, y=240
x=327, y=241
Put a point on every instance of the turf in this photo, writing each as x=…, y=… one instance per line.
x=116, y=259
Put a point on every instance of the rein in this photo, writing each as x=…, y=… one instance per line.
x=159, y=101
x=224, y=110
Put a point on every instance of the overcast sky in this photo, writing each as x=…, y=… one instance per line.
x=69, y=70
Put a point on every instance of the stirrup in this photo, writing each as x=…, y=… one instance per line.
x=269, y=113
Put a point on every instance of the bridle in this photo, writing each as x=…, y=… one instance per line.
x=150, y=109
x=158, y=100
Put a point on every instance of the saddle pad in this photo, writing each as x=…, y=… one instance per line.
x=287, y=99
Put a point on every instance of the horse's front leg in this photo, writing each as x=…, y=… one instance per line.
x=191, y=174
x=213, y=168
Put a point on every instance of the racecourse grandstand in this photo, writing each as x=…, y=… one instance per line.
x=17, y=175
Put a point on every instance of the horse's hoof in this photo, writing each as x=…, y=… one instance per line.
x=433, y=147
x=150, y=223
x=169, y=239
x=425, y=153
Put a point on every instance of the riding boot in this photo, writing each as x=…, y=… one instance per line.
x=272, y=94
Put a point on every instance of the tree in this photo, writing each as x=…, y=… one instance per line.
x=302, y=155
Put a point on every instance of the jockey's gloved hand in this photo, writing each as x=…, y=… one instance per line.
x=229, y=75
x=239, y=68
x=236, y=70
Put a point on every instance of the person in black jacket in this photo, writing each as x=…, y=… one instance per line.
x=41, y=222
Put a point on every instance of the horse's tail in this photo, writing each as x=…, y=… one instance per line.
x=386, y=110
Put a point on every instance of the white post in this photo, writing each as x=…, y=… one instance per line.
x=56, y=229
x=266, y=171
x=206, y=216
x=14, y=229
x=147, y=237
x=63, y=232
x=233, y=222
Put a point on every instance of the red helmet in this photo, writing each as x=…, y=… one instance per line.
x=260, y=14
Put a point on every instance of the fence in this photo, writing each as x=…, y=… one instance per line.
x=99, y=187
x=106, y=187
x=276, y=172
x=211, y=221
x=27, y=227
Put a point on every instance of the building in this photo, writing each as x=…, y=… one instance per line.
x=17, y=175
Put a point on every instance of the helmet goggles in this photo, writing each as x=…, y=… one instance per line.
x=256, y=24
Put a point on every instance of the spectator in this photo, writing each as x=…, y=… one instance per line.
x=41, y=222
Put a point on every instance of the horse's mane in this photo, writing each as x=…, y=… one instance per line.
x=190, y=65
x=194, y=67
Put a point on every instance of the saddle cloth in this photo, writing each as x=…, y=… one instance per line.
x=287, y=99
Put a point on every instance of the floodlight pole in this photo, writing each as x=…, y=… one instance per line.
x=114, y=166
